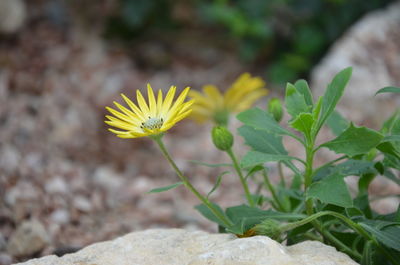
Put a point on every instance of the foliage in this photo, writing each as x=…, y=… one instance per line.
x=316, y=204
x=290, y=35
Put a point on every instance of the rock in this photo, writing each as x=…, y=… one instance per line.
x=372, y=47
x=5, y=259
x=180, y=247
x=56, y=185
x=60, y=216
x=12, y=15
x=29, y=238
x=82, y=203
x=108, y=179
x=3, y=243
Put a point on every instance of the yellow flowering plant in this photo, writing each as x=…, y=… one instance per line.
x=312, y=202
x=215, y=106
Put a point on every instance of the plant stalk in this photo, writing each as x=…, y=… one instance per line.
x=187, y=183
x=241, y=177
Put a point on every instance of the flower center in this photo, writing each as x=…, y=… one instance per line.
x=152, y=123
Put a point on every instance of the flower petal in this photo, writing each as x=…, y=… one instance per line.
x=152, y=101
x=133, y=106
x=168, y=100
x=142, y=104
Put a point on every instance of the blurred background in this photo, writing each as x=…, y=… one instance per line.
x=66, y=182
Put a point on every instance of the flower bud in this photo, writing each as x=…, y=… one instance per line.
x=222, y=138
x=268, y=227
x=275, y=108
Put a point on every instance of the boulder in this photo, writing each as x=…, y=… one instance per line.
x=371, y=46
x=29, y=238
x=181, y=247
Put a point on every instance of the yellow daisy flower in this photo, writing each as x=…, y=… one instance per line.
x=149, y=119
x=211, y=104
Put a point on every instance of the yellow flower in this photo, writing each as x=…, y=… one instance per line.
x=240, y=96
x=149, y=119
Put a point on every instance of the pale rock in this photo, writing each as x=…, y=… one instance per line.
x=29, y=238
x=23, y=191
x=10, y=158
x=82, y=203
x=12, y=15
x=60, y=216
x=3, y=243
x=56, y=185
x=108, y=179
x=371, y=46
x=181, y=247
x=5, y=259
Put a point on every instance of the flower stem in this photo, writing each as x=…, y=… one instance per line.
x=241, y=177
x=185, y=180
x=273, y=192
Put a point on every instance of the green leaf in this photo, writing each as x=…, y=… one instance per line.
x=303, y=123
x=333, y=94
x=217, y=183
x=295, y=102
x=337, y=123
x=262, y=120
x=245, y=217
x=354, y=141
x=331, y=189
x=210, y=165
x=389, y=235
x=253, y=158
x=304, y=89
x=388, y=89
x=169, y=187
x=262, y=141
x=389, y=123
x=254, y=170
x=205, y=211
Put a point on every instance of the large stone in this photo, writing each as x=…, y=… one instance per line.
x=180, y=247
x=29, y=238
x=372, y=47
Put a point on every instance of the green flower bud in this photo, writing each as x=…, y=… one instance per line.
x=268, y=227
x=275, y=108
x=222, y=138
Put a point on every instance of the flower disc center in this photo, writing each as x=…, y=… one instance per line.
x=152, y=123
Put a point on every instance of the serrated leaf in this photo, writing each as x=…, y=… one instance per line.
x=332, y=190
x=388, y=89
x=354, y=141
x=210, y=165
x=333, y=94
x=262, y=141
x=337, y=123
x=304, y=89
x=253, y=158
x=169, y=187
x=303, y=123
x=294, y=101
x=217, y=183
x=262, y=120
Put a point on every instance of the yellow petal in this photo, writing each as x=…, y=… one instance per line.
x=168, y=100
x=152, y=101
x=133, y=106
x=142, y=104
x=159, y=102
x=129, y=113
x=178, y=102
x=119, y=114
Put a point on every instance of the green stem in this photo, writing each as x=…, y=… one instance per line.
x=241, y=177
x=281, y=175
x=273, y=192
x=184, y=179
x=326, y=234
